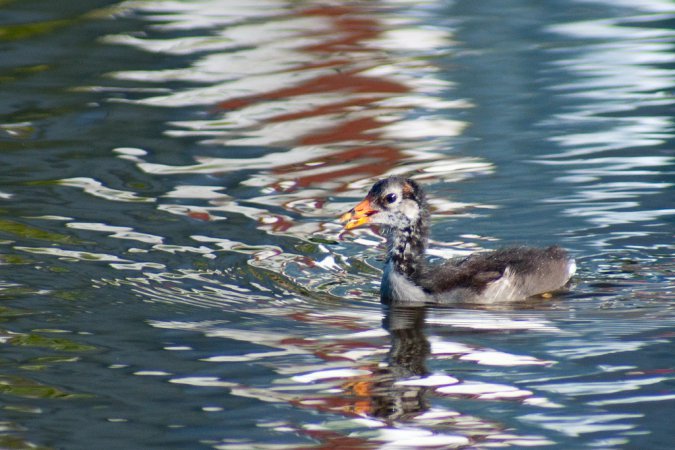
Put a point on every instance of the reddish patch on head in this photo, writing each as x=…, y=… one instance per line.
x=408, y=190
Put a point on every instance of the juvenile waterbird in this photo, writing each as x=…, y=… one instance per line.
x=399, y=207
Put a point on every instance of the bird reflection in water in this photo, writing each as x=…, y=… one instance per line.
x=403, y=392
x=406, y=359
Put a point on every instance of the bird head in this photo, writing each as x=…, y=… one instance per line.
x=394, y=202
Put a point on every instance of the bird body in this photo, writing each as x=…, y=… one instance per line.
x=400, y=208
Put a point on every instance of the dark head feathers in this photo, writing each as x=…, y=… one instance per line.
x=409, y=188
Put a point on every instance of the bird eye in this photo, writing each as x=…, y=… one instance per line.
x=390, y=198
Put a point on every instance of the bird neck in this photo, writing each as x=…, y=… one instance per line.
x=407, y=246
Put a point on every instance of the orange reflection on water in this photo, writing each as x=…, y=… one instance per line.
x=359, y=148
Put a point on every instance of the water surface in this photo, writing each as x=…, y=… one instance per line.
x=173, y=274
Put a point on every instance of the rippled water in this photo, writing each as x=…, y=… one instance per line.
x=173, y=274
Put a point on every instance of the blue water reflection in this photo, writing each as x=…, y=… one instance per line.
x=175, y=275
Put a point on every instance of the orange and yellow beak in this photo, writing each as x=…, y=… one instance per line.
x=358, y=215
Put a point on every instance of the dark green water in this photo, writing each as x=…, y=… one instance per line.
x=172, y=273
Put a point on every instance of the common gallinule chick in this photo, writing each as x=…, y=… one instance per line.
x=399, y=206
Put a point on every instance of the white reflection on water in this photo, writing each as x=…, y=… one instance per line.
x=73, y=255
x=646, y=7
x=579, y=349
x=488, y=320
x=633, y=400
x=396, y=438
x=97, y=189
x=330, y=374
x=180, y=15
x=618, y=96
x=583, y=424
x=197, y=192
x=117, y=232
x=600, y=387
